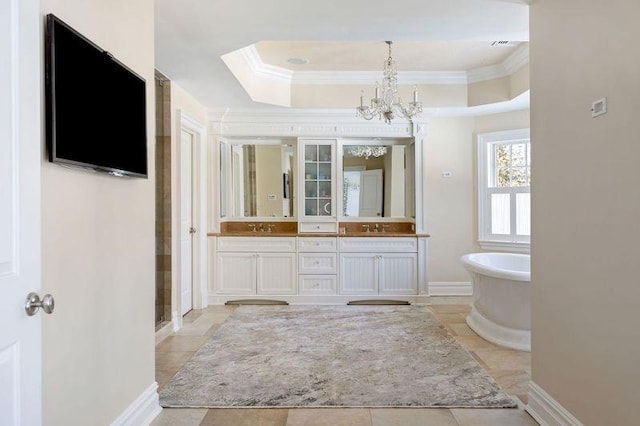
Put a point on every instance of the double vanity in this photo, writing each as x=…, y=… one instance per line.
x=317, y=221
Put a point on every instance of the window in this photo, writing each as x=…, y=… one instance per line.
x=504, y=190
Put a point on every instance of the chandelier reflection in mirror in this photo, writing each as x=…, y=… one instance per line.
x=366, y=151
x=389, y=104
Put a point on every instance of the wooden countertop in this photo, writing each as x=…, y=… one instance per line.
x=292, y=234
x=290, y=229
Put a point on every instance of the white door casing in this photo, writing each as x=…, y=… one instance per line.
x=186, y=222
x=192, y=180
x=20, y=263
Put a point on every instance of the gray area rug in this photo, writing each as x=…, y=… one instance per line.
x=332, y=356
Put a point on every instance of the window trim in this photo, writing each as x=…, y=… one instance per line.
x=487, y=240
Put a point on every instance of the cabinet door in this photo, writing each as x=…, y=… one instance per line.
x=358, y=274
x=398, y=273
x=277, y=273
x=236, y=273
x=318, y=177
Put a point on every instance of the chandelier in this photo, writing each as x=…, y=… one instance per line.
x=366, y=151
x=390, y=103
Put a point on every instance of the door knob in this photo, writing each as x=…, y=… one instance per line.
x=192, y=230
x=33, y=303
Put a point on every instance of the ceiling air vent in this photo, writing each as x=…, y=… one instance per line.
x=504, y=43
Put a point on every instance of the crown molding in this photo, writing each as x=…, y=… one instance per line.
x=511, y=64
x=301, y=122
x=518, y=59
x=367, y=77
x=518, y=103
x=252, y=58
x=343, y=116
x=490, y=72
x=289, y=115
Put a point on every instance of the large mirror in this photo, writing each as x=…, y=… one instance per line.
x=257, y=178
x=378, y=180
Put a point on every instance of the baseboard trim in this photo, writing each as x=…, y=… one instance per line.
x=450, y=288
x=164, y=332
x=175, y=320
x=546, y=410
x=143, y=410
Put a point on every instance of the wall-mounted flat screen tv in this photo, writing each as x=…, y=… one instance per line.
x=95, y=106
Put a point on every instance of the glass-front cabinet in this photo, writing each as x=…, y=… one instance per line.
x=317, y=200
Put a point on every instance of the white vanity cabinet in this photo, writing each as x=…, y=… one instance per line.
x=317, y=265
x=260, y=265
x=345, y=205
x=379, y=266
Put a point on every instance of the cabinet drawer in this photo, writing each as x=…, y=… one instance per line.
x=315, y=244
x=317, y=284
x=317, y=263
x=378, y=244
x=257, y=244
x=318, y=227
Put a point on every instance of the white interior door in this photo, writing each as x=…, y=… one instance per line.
x=186, y=221
x=20, y=110
x=371, y=193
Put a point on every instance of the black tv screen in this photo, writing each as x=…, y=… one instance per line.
x=95, y=106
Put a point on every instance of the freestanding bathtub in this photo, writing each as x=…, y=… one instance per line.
x=501, y=310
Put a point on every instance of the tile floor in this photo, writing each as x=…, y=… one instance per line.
x=511, y=369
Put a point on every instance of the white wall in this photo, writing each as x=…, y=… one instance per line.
x=183, y=100
x=452, y=216
x=450, y=212
x=98, y=250
x=586, y=207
